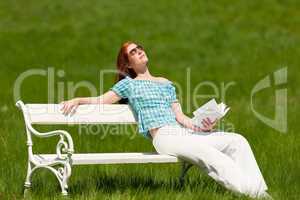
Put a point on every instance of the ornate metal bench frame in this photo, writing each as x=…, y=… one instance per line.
x=60, y=164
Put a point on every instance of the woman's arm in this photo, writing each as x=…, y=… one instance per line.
x=187, y=121
x=107, y=98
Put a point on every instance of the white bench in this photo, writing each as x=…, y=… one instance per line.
x=61, y=162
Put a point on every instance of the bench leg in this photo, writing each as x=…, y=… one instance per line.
x=62, y=173
x=28, y=175
x=27, y=184
x=184, y=168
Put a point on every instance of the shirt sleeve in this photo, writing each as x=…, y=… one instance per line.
x=173, y=94
x=121, y=88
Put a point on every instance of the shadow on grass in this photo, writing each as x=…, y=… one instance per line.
x=111, y=184
x=106, y=184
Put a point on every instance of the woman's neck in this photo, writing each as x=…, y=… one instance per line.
x=144, y=75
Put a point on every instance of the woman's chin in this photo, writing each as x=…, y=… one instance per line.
x=143, y=61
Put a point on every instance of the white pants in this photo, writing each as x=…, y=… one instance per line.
x=226, y=157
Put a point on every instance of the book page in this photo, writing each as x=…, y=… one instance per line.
x=210, y=110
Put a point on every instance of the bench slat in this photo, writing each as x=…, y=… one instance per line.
x=111, y=158
x=85, y=114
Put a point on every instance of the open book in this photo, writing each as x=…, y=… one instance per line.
x=210, y=110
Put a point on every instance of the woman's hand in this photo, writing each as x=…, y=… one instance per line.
x=70, y=106
x=187, y=121
x=207, y=125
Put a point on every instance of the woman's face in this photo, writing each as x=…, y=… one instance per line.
x=136, y=55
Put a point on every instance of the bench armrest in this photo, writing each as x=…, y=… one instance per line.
x=64, y=145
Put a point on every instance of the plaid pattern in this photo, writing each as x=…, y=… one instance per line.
x=150, y=100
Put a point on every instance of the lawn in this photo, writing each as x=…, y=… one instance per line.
x=233, y=43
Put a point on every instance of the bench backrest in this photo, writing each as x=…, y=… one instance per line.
x=85, y=114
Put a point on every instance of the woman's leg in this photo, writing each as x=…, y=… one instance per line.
x=178, y=142
x=206, y=152
x=238, y=149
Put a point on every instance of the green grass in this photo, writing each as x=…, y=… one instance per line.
x=240, y=41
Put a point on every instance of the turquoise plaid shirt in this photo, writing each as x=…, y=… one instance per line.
x=150, y=101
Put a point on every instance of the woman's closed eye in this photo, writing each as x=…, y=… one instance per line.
x=134, y=50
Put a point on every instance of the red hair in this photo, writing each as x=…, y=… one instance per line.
x=122, y=66
x=123, y=63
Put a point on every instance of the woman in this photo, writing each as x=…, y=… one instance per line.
x=226, y=157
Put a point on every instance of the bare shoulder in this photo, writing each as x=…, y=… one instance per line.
x=162, y=79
